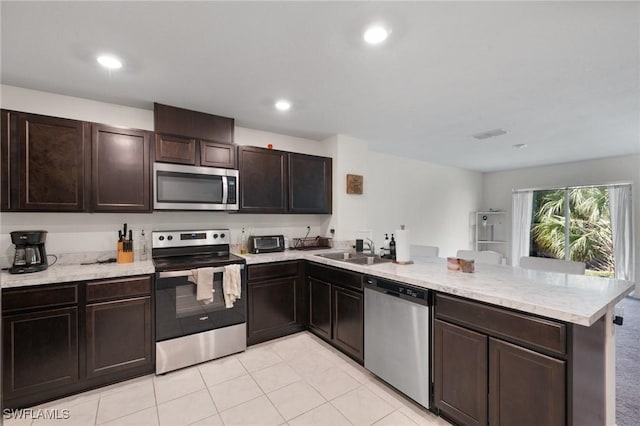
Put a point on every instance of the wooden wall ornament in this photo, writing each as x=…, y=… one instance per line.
x=355, y=184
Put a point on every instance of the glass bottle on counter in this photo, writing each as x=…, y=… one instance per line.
x=243, y=243
x=392, y=248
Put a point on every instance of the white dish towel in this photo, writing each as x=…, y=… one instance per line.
x=203, y=279
x=231, y=284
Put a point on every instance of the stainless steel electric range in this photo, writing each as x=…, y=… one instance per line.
x=188, y=330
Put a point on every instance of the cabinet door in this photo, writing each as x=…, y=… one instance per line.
x=320, y=307
x=175, y=149
x=214, y=154
x=272, y=308
x=7, y=143
x=263, y=187
x=120, y=170
x=460, y=373
x=118, y=336
x=525, y=387
x=40, y=355
x=348, y=321
x=52, y=162
x=309, y=184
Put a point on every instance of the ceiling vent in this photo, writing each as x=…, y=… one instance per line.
x=489, y=134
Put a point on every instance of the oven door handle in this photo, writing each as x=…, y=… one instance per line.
x=187, y=272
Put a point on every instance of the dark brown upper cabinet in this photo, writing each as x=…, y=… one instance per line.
x=263, y=180
x=309, y=184
x=194, y=138
x=45, y=161
x=120, y=170
x=273, y=181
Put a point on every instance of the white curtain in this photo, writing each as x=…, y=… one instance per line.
x=621, y=230
x=521, y=206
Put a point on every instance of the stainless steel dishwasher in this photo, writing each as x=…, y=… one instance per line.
x=396, y=336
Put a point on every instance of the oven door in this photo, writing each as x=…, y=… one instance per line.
x=179, y=313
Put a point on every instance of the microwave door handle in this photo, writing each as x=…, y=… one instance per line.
x=225, y=189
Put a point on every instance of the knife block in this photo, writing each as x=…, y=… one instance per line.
x=123, y=256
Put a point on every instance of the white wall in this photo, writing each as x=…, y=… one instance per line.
x=433, y=201
x=498, y=186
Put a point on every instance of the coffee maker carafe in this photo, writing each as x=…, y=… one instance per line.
x=30, y=253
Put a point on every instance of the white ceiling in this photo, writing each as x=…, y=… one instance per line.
x=561, y=77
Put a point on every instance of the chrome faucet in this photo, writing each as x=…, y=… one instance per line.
x=372, y=246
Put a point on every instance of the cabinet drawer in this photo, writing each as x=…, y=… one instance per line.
x=272, y=270
x=336, y=276
x=532, y=331
x=120, y=288
x=39, y=297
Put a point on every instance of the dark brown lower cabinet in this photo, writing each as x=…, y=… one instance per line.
x=525, y=388
x=460, y=365
x=348, y=321
x=320, y=308
x=336, y=308
x=118, y=336
x=502, y=367
x=60, y=339
x=40, y=354
x=276, y=301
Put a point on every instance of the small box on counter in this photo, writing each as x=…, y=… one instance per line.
x=457, y=264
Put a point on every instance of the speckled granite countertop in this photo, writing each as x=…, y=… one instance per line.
x=68, y=273
x=577, y=299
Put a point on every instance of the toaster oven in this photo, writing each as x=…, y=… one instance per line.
x=266, y=243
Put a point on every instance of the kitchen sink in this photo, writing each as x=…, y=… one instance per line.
x=342, y=256
x=368, y=260
x=357, y=258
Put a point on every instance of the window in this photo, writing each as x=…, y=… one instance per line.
x=574, y=224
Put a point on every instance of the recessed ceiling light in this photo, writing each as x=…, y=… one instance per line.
x=110, y=62
x=376, y=34
x=283, y=105
x=519, y=146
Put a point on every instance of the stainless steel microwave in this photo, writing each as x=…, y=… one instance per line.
x=180, y=187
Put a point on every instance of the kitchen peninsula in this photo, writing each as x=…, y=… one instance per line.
x=570, y=315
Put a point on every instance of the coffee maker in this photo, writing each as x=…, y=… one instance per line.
x=30, y=253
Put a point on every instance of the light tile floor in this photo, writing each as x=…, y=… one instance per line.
x=295, y=380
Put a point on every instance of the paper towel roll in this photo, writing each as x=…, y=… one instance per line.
x=402, y=246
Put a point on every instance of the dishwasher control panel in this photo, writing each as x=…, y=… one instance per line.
x=397, y=288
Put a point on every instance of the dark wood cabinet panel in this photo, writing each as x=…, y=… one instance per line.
x=310, y=186
x=537, y=333
x=55, y=343
x=40, y=354
x=214, y=154
x=525, y=388
x=178, y=121
x=263, y=180
x=118, y=336
x=121, y=170
x=53, y=154
x=274, y=181
x=348, y=321
x=175, y=149
x=276, y=301
x=8, y=127
x=460, y=370
x=320, y=308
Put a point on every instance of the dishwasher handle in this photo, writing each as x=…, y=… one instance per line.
x=398, y=289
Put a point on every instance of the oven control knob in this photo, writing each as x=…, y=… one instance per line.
x=215, y=236
x=221, y=235
x=170, y=237
x=161, y=237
